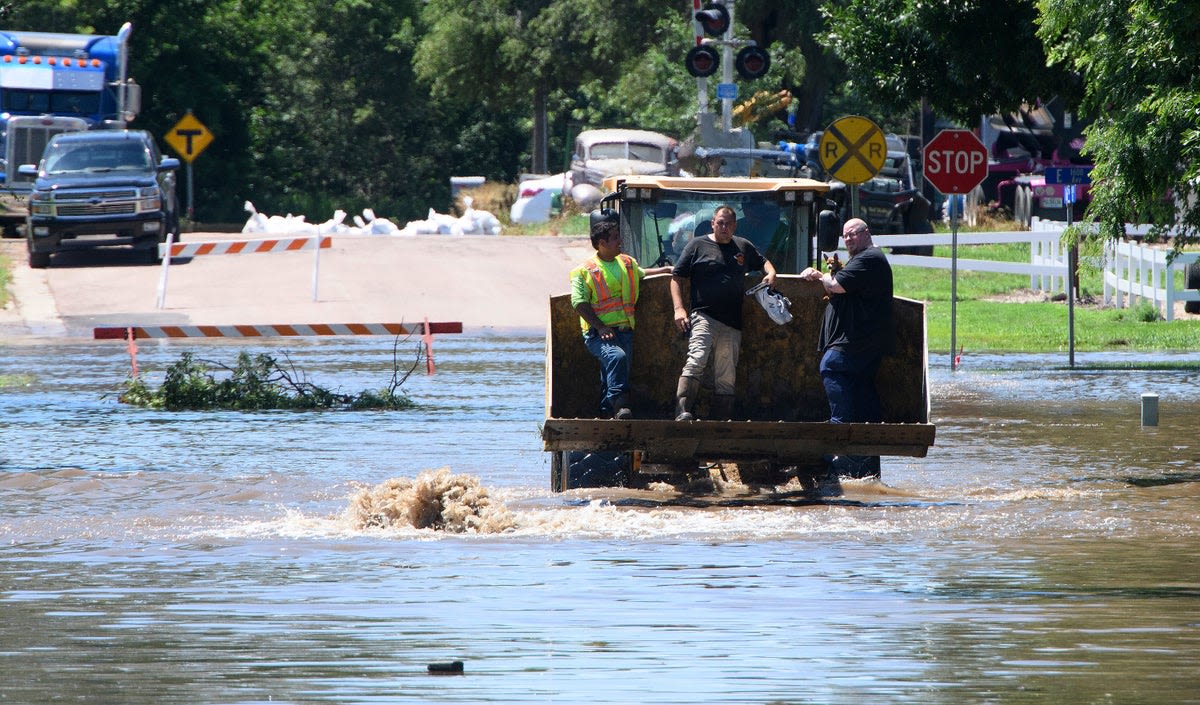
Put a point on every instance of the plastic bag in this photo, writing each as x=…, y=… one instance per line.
x=774, y=303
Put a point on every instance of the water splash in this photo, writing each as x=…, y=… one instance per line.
x=436, y=499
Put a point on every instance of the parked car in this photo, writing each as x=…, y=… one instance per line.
x=538, y=198
x=891, y=202
x=100, y=188
x=614, y=152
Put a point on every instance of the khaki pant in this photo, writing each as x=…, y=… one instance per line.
x=711, y=339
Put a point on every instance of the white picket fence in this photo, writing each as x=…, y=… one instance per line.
x=1133, y=272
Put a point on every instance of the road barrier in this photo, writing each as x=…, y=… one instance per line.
x=247, y=247
x=131, y=334
x=277, y=330
x=171, y=249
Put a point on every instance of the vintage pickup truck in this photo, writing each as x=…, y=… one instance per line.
x=779, y=429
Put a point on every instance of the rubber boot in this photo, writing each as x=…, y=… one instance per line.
x=621, y=410
x=685, y=398
x=722, y=407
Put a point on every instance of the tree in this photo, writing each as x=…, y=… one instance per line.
x=967, y=57
x=528, y=50
x=1139, y=61
x=791, y=30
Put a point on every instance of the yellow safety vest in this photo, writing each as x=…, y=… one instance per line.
x=609, y=307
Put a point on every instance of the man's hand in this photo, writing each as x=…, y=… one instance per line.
x=681, y=319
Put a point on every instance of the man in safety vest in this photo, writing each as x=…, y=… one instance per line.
x=604, y=291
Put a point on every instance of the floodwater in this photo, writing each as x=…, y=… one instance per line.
x=1047, y=550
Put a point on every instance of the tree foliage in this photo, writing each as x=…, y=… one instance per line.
x=323, y=104
x=1140, y=62
x=967, y=57
x=254, y=383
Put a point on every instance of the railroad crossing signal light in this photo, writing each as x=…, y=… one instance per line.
x=714, y=19
x=752, y=63
x=702, y=61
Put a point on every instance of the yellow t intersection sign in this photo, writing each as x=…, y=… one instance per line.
x=852, y=150
x=189, y=137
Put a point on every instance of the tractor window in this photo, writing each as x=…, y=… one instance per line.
x=657, y=232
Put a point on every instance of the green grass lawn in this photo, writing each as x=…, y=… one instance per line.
x=985, y=323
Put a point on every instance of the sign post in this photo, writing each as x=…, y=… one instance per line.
x=1070, y=176
x=955, y=163
x=189, y=137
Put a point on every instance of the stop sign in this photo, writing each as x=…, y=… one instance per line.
x=955, y=161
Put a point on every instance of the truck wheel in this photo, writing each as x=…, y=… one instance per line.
x=39, y=260
x=11, y=230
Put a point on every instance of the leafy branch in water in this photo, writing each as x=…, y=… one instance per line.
x=259, y=382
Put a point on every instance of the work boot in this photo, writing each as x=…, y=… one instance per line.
x=722, y=407
x=685, y=398
x=621, y=410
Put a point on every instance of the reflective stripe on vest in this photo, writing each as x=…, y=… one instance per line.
x=605, y=301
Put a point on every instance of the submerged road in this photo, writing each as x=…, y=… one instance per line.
x=485, y=282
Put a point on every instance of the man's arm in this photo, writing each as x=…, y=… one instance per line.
x=681, y=314
x=587, y=313
x=827, y=280
x=768, y=272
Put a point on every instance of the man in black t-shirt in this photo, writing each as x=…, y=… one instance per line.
x=716, y=265
x=856, y=333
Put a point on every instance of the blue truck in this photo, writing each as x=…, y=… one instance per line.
x=52, y=83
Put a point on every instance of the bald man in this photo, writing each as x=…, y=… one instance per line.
x=857, y=330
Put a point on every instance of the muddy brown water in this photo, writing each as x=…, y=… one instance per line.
x=1047, y=550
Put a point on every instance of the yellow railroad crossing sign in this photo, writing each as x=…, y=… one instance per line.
x=852, y=149
x=189, y=137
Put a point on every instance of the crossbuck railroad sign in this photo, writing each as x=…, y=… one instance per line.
x=852, y=149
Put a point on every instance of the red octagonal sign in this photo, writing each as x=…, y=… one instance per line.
x=955, y=161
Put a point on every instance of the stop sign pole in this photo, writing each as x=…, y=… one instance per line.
x=955, y=163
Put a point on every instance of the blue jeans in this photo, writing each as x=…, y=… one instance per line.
x=615, y=357
x=850, y=385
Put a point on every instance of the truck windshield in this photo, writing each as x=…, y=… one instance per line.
x=58, y=102
x=97, y=157
x=628, y=150
x=659, y=230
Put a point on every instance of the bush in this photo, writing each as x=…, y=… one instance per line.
x=256, y=382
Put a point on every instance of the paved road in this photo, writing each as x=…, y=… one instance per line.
x=499, y=283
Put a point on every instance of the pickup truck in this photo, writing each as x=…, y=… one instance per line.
x=100, y=188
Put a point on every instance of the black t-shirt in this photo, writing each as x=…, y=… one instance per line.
x=860, y=320
x=718, y=274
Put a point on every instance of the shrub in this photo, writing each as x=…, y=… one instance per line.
x=255, y=382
